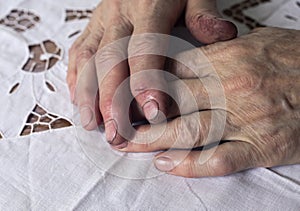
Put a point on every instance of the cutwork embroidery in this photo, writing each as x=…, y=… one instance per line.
x=40, y=120
x=236, y=12
x=14, y=88
x=42, y=57
x=78, y=14
x=20, y=20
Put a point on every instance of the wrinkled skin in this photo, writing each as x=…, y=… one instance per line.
x=115, y=19
x=260, y=75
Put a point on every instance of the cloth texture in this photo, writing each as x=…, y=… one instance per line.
x=48, y=162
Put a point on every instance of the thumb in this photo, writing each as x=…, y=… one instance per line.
x=222, y=160
x=206, y=24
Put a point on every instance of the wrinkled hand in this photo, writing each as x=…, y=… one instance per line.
x=260, y=77
x=115, y=19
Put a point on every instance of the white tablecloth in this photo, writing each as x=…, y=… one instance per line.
x=67, y=168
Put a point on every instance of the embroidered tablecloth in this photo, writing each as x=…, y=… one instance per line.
x=48, y=162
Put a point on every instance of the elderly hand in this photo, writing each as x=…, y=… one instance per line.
x=260, y=76
x=115, y=19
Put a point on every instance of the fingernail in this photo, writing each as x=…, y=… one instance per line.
x=86, y=115
x=164, y=164
x=151, y=110
x=121, y=146
x=111, y=131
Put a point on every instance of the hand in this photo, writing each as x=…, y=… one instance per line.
x=115, y=19
x=260, y=76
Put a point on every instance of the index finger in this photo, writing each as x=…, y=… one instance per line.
x=146, y=50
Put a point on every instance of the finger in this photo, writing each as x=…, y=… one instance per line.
x=190, y=96
x=206, y=24
x=88, y=49
x=146, y=57
x=186, y=132
x=72, y=67
x=87, y=85
x=225, y=159
x=207, y=61
x=112, y=70
x=87, y=95
x=193, y=64
x=85, y=47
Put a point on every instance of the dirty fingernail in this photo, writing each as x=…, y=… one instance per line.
x=151, y=110
x=86, y=115
x=111, y=131
x=164, y=164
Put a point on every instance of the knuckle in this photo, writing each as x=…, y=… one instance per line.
x=233, y=125
x=138, y=88
x=118, y=25
x=147, y=45
x=177, y=135
x=147, y=83
x=220, y=164
x=188, y=132
x=106, y=106
x=86, y=53
x=190, y=167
